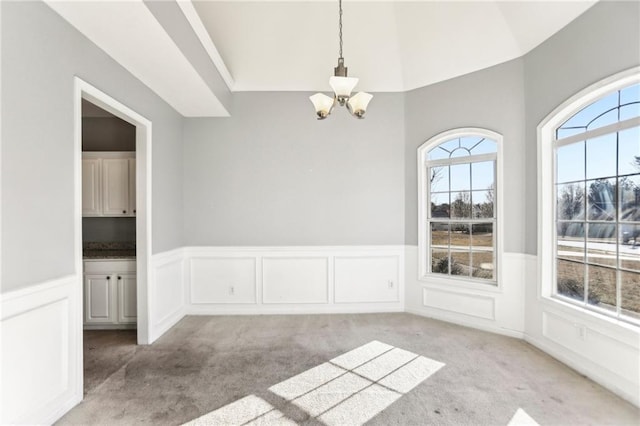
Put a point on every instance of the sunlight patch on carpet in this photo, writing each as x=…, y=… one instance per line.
x=349, y=389
x=521, y=418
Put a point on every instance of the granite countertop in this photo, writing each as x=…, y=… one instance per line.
x=109, y=250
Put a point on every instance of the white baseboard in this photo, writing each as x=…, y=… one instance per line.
x=622, y=386
x=41, y=361
x=492, y=328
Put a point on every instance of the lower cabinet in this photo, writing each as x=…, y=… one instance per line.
x=109, y=294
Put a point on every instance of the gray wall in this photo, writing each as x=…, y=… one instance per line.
x=272, y=174
x=41, y=53
x=602, y=41
x=492, y=99
x=107, y=134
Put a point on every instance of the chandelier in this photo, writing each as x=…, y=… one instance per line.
x=342, y=87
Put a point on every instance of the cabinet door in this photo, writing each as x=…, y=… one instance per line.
x=132, y=186
x=91, y=200
x=127, y=299
x=98, y=299
x=115, y=186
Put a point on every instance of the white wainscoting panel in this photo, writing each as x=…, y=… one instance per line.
x=497, y=308
x=222, y=280
x=367, y=279
x=460, y=303
x=41, y=364
x=167, y=292
x=295, y=280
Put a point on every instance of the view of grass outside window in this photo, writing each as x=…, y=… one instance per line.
x=461, y=217
x=597, y=192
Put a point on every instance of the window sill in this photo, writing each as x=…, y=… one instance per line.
x=589, y=317
x=461, y=283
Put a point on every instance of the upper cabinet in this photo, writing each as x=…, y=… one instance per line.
x=108, y=184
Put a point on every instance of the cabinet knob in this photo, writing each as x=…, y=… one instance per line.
x=119, y=278
x=108, y=278
x=124, y=211
x=134, y=210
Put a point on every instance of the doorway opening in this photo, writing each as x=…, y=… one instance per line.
x=112, y=208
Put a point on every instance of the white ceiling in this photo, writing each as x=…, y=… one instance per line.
x=292, y=45
x=389, y=45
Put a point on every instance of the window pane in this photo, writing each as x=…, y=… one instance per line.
x=602, y=287
x=482, y=264
x=570, y=241
x=629, y=151
x=630, y=247
x=570, y=162
x=460, y=152
x=602, y=244
x=440, y=205
x=438, y=153
x=440, y=261
x=570, y=279
x=440, y=234
x=601, y=156
x=487, y=146
x=601, y=199
x=461, y=177
x=570, y=201
x=482, y=204
x=482, y=235
x=564, y=133
x=470, y=141
x=482, y=175
x=630, y=292
x=460, y=261
x=583, y=117
x=630, y=94
x=461, y=205
x=439, y=179
x=629, y=111
x=607, y=118
x=460, y=236
x=630, y=198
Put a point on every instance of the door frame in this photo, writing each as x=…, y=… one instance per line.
x=84, y=90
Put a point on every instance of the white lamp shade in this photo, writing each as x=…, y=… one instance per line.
x=322, y=103
x=342, y=86
x=358, y=103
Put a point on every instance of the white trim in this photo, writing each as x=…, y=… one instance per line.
x=84, y=90
x=467, y=322
x=546, y=139
x=423, y=245
x=201, y=32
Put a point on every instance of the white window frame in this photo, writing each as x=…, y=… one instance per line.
x=424, y=242
x=546, y=136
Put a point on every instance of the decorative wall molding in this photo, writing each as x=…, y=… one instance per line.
x=41, y=362
x=294, y=280
x=166, y=292
x=498, y=309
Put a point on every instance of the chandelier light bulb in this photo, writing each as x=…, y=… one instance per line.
x=357, y=104
x=323, y=105
x=342, y=87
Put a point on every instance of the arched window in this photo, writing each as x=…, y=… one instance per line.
x=594, y=143
x=458, y=202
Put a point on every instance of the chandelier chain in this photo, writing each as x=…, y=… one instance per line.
x=340, y=27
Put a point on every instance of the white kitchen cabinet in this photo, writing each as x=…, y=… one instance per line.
x=91, y=180
x=110, y=289
x=98, y=299
x=108, y=184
